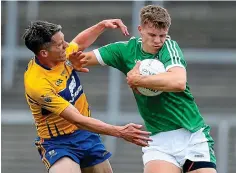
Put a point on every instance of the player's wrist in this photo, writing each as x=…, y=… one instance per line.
x=142, y=81
x=138, y=81
x=116, y=131
x=101, y=25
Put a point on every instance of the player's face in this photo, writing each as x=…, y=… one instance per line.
x=57, y=50
x=152, y=38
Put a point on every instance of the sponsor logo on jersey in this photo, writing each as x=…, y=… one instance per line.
x=72, y=86
x=59, y=81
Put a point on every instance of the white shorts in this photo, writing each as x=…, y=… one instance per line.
x=179, y=145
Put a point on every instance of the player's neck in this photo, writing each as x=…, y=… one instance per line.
x=45, y=63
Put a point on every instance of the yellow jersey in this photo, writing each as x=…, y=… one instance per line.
x=49, y=91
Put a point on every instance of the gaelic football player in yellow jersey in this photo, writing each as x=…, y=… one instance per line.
x=68, y=138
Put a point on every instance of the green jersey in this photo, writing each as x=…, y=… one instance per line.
x=167, y=111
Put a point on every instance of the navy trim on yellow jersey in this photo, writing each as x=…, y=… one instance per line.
x=31, y=100
x=73, y=89
x=49, y=129
x=45, y=112
x=38, y=62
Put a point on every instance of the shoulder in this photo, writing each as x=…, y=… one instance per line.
x=72, y=47
x=170, y=43
x=36, y=84
x=34, y=79
x=171, y=48
x=36, y=89
x=132, y=41
x=135, y=40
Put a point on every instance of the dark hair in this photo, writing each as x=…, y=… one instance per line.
x=38, y=35
x=155, y=15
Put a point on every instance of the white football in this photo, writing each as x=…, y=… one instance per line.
x=150, y=67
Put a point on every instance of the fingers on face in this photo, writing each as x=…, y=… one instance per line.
x=77, y=54
x=83, y=62
x=84, y=70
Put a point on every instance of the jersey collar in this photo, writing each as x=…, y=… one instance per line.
x=43, y=66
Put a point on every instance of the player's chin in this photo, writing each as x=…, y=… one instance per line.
x=63, y=58
x=156, y=48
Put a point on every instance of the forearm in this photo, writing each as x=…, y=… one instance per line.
x=91, y=124
x=163, y=82
x=88, y=36
x=130, y=132
x=97, y=126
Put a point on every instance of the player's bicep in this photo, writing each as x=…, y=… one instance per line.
x=111, y=55
x=179, y=72
x=93, y=58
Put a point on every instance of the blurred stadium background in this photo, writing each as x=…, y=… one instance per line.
x=205, y=31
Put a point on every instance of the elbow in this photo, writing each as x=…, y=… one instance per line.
x=180, y=86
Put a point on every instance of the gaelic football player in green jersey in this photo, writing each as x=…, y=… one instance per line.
x=181, y=139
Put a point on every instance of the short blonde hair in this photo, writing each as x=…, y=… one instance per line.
x=155, y=15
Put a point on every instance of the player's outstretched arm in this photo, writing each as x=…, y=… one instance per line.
x=130, y=132
x=85, y=38
x=83, y=59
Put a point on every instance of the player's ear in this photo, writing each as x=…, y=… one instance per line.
x=43, y=53
x=140, y=29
